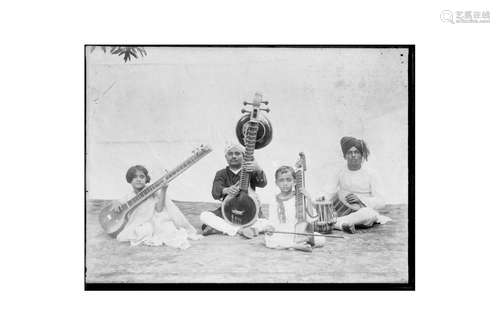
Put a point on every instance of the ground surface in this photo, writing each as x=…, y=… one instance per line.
x=378, y=254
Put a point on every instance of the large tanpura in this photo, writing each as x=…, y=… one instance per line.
x=254, y=131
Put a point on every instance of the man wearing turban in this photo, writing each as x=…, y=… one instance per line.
x=360, y=185
x=226, y=181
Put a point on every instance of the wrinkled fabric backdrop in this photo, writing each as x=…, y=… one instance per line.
x=156, y=109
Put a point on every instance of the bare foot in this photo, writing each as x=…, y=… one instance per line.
x=248, y=233
x=303, y=247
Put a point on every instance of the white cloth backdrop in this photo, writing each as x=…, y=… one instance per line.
x=154, y=110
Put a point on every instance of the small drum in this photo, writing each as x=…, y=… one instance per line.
x=341, y=206
x=329, y=211
x=326, y=217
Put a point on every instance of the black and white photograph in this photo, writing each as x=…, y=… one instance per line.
x=245, y=166
x=260, y=166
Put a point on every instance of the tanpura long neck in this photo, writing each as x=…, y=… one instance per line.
x=250, y=138
x=299, y=197
x=148, y=191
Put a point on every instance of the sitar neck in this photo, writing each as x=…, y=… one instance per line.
x=250, y=138
x=151, y=189
x=299, y=196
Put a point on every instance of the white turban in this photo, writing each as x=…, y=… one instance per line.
x=234, y=146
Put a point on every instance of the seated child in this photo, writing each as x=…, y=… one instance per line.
x=157, y=220
x=282, y=218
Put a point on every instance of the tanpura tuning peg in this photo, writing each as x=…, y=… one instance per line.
x=266, y=109
x=248, y=103
x=244, y=111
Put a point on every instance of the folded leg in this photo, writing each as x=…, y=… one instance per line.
x=364, y=218
x=218, y=223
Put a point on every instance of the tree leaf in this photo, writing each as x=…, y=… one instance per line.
x=103, y=48
x=92, y=48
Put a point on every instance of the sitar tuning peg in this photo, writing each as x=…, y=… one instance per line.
x=266, y=109
x=248, y=103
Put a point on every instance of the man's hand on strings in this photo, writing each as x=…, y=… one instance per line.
x=232, y=190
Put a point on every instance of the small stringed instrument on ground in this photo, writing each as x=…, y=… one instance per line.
x=243, y=208
x=113, y=221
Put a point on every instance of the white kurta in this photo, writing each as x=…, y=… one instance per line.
x=282, y=240
x=365, y=184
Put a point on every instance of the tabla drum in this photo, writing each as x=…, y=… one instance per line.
x=329, y=211
x=341, y=206
x=326, y=217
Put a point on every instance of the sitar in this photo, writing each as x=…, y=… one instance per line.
x=243, y=209
x=300, y=183
x=113, y=221
x=300, y=199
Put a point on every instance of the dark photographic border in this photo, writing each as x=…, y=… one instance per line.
x=410, y=285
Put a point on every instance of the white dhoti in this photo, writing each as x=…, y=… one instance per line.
x=272, y=240
x=365, y=216
x=218, y=223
